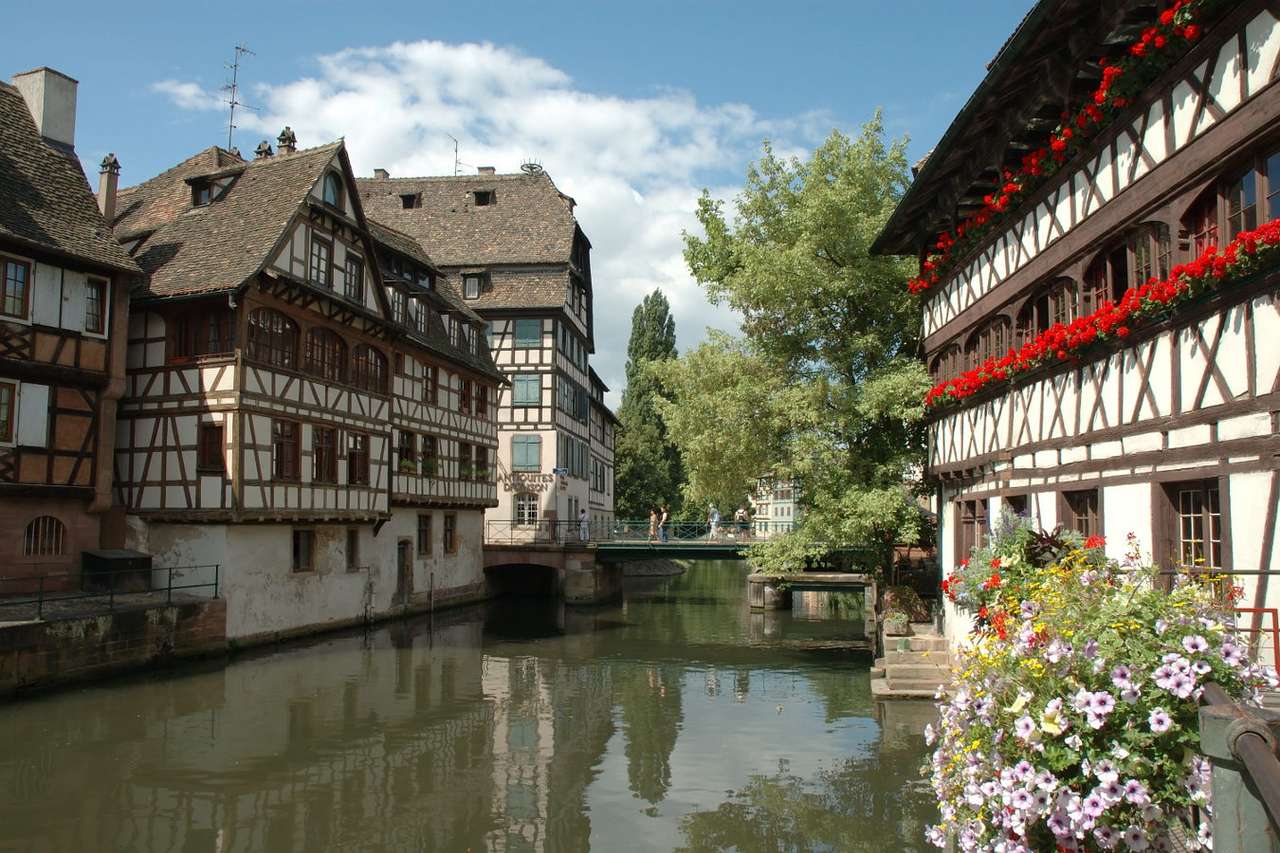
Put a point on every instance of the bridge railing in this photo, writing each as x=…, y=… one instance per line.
x=555, y=532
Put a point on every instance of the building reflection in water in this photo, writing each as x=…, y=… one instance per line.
x=475, y=731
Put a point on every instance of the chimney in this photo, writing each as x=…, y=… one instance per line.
x=108, y=181
x=263, y=151
x=381, y=174
x=288, y=142
x=51, y=97
x=485, y=170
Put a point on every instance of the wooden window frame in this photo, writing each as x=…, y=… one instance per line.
x=481, y=465
x=8, y=410
x=358, y=461
x=98, y=286
x=972, y=517
x=1150, y=248
x=369, y=369
x=318, y=242
x=464, y=397
x=429, y=456
x=450, y=532
x=326, y=355
x=276, y=344
x=303, y=550
x=524, y=343
x=190, y=334
x=516, y=382
x=353, y=270
x=324, y=455
x=332, y=179
x=424, y=534
x=472, y=278
x=1169, y=518
x=466, y=461
x=286, y=467
x=1081, y=510
x=406, y=451
x=211, y=451
x=29, y=269
x=481, y=408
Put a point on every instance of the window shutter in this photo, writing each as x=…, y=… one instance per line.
x=33, y=415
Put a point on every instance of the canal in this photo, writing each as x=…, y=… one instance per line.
x=677, y=720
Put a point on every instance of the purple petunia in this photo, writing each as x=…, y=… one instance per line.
x=1195, y=644
x=1159, y=720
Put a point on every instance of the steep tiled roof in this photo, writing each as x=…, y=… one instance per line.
x=45, y=201
x=529, y=221
x=516, y=289
x=147, y=206
x=220, y=245
x=400, y=242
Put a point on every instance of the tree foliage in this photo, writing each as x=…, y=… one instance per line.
x=648, y=469
x=825, y=385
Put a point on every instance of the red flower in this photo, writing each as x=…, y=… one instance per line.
x=1191, y=31
x=1095, y=541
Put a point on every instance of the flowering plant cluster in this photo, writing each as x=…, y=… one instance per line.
x=1074, y=726
x=1248, y=253
x=1158, y=47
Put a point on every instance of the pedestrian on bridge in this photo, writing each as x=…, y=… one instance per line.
x=653, y=524
x=584, y=525
x=713, y=522
x=662, y=524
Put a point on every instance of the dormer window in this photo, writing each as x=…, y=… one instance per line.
x=410, y=201
x=484, y=198
x=201, y=193
x=471, y=286
x=332, y=190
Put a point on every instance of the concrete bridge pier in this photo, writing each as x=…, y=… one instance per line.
x=568, y=572
x=765, y=593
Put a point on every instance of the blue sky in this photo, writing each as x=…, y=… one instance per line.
x=632, y=108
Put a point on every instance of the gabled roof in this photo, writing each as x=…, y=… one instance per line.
x=219, y=246
x=45, y=200
x=529, y=221
x=144, y=207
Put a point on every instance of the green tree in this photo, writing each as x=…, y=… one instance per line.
x=648, y=469
x=825, y=385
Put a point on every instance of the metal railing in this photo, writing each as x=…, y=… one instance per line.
x=683, y=532
x=1241, y=747
x=29, y=597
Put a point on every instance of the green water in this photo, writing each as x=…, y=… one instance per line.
x=678, y=720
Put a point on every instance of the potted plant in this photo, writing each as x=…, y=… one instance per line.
x=897, y=623
x=408, y=466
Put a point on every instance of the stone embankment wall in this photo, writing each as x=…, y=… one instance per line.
x=36, y=655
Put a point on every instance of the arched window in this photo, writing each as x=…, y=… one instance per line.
x=1242, y=202
x=947, y=363
x=990, y=341
x=326, y=355
x=45, y=536
x=1151, y=253
x=273, y=338
x=369, y=369
x=1061, y=304
x=1200, y=225
x=332, y=192
x=1106, y=278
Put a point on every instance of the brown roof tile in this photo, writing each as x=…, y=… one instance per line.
x=45, y=200
x=145, y=207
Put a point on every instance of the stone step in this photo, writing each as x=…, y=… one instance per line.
x=923, y=644
x=880, y=689
x=928, y=684
x=877, y=672
x=906, y=670
x=937, y=658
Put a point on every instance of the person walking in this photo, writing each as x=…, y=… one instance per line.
x=584, y=525
x=662, y=524
x=741, y=518
x=713, y=523
x=653, y=524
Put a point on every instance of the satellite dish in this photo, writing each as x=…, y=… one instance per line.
x=531, y=168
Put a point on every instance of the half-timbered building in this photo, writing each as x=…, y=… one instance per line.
x=515, y=254
x=258, y=427
x=63, y=310
x=604, y=426
x=1163, y=426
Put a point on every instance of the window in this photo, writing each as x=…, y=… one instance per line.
x=949, y=362
x=1200, y=225
x=322, y=263
x=8, y=394
x=484, y=198
x=1017, y=505
x=407, y=452
x=284, y=449
x=332, y=192
x=528, y=333
x=324, y=455
x=209, y=330
x=1272, y=168
x=1242, y=203
x=482, y=463
x=410, y=201
x=326, y=355
x=95, y=293
x=369, y=369
x=482, y=401
x=471, y=286
x=304, y=550
x=400, y=307
x=466, y=469
x=17, y=284
x=526, y=389
x=422, y=320
x=424, y=535
x=1106, y=278
x=464, y=397
x=1198, y=525
x=971, y=527
x=1060, y=306
x=431, y=385
x=273, y=338
x=353, y=285
x=1152, y=254
x=353, y=550
x=357, y=459
x=526, y=508
x=209, y=456
x=430, y=455
x=201, y=193
x=991, y=341
x=1080, y=512
x=45, y=536
x=450, y=532
x=526, y=453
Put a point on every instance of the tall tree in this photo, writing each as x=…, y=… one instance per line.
x=825, y=385
x=648, y=472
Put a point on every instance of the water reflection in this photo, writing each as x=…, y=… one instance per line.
x=678, y=720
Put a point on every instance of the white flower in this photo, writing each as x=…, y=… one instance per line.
x=1159, y=720
x=1135, y=838
x=1195, y=644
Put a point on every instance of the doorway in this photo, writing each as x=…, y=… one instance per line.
x=404, y=571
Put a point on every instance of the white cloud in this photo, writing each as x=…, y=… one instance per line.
x=634, y=165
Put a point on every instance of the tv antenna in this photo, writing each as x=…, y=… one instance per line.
x=233, y=90
x=455, y=153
